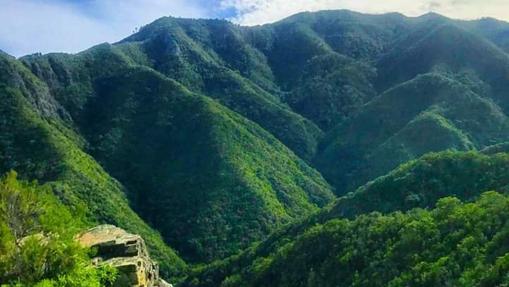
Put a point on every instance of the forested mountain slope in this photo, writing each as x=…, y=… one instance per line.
x=432, y=112
x=211, y=181
x=306, y=78
x=455, y=244
x=421, y=183
x=207, y=136
x=330, y=66
x=37, y=143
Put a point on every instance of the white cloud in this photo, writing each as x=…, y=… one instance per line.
x=29, y=26
x=135, y=13
x=253, y=12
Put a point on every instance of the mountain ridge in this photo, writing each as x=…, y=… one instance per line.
x=208, y=136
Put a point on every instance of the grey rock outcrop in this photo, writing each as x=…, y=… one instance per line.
x=124, y=251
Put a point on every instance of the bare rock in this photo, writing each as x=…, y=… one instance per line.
x=163, y=283
x=124, y=251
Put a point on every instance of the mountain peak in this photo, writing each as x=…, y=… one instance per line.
x=204, y=137
x=431, y=14
x=4, y=54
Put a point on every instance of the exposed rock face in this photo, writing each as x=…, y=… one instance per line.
x=127, y=252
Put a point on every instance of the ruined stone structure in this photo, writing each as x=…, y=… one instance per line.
x=126, y=252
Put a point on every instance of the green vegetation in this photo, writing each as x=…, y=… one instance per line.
x=418, y=184
x=430, y=113
x=332, y=88
x=211, y=181
x=43, y=147
x=225, y=68
x=422, y=182
x=224, y=182
x=454, y=244
x=37, y=246
x=206, y=137
x=217, y=174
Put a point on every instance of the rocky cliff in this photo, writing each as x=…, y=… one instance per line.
x=124, y=251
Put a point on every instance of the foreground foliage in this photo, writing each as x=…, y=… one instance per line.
x=37, y=246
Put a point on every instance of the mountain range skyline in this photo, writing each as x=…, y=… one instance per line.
x=54, y=25
x=331, y=148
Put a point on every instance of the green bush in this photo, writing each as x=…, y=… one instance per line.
x=37, y=246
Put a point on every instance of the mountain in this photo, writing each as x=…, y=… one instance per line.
x=421, y=183
x=210, y=180
x=495, y=30
x=202, y=174
x=446, y=48
x=306, y=78
x=432, y=112
x=206, y=137
x=453, y=244
x=193, y=52
x=373, y=209
x=36, y=142
x=328, y=67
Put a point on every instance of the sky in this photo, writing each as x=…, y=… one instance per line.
x=43, y=26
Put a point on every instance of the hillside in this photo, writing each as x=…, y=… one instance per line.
x=329, y=66
x=182, y=159
x=421, y=183
x=194, y=53
x=211, y=181
x=446, y=48
x=309, y=77
x=432, y=112
x=454, y=244
x=222, y=145
x=37, y=143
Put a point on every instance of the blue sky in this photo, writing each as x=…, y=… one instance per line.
x=30, y=26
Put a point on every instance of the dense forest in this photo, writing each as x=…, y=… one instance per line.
x=328, y=149
x=454, y=244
